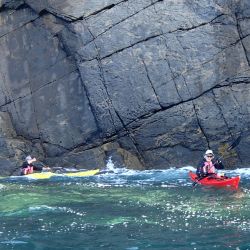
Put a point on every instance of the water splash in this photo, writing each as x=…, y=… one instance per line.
x=110, y=165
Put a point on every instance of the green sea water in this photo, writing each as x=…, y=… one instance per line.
x=128, y=210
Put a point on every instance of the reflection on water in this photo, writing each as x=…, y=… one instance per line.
x=125, y=210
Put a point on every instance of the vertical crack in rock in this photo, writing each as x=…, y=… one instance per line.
x=111, y=104
x=241, y=37
x=42, y=13
x=225, y=121
x=173, y=78
x=109, y=101
x=152, y=85
x=221, y=112
x=240, y=108
x=64, y=47
x=36, y=120
x=196, y=114
x=140, y=156
x=241, y=129
x=200, y=126
x=88, y=97
x=176, y=75
x=5, y=89
x=11, y=99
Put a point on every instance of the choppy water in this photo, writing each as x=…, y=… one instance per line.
x=130, y=210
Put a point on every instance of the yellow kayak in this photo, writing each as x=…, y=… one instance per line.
x=47, y=175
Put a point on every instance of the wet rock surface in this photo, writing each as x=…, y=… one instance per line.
x=152, y=83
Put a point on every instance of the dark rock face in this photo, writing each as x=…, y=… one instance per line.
x=13, y=148
x=152, y=83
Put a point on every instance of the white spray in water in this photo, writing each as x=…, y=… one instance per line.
x=110, y=165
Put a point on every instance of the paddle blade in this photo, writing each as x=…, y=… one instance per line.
x=194, y=184
x=235, y=143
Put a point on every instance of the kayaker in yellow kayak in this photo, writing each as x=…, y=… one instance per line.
x=208, y=166
x=28, y=166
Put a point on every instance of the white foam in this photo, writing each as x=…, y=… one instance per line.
x=13, y=242
x=42, y=207
x=110, y=165
x=188, y=168
x=245, y=171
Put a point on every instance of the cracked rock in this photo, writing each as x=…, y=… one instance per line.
x=152, y=83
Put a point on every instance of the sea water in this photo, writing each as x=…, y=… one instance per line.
x=127, y=210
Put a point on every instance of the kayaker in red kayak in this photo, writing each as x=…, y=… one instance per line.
x=208, y=166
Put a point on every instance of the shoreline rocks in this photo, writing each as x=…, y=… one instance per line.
x=151, y=83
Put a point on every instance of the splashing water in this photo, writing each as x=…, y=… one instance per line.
x=110, y=165
x=126, y=209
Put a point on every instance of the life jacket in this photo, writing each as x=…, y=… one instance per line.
x=208, y=168
x=27, y=170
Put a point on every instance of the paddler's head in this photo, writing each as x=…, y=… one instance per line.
x=209, y=155
x=30, y=159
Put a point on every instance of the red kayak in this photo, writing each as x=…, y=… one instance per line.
x=216, y=181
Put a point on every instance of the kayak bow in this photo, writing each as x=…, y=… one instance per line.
x=216, y=182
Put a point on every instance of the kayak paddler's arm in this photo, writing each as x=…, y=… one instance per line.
x=199, y=170
x=39, y=166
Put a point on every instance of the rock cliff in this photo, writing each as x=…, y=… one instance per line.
x=152, y=83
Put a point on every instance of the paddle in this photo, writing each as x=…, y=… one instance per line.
x=196, y=181
x=232, y=146
x=45, y=167
x=235, y=143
